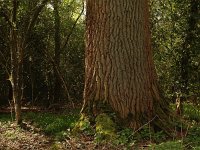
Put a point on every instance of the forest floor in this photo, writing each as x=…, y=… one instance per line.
x=13, y=137
x=45, y=130
x=50, y=130
x=29, y=137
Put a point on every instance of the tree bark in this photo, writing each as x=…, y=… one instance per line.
x=16, y=65
x=57, y=84
x=18, y=43
x=119, y=68
x=185, y=61
x=186, y=47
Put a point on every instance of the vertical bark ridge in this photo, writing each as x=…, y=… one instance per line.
x=119, y=66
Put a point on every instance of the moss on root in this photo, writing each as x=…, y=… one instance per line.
x=161, y=118
x=105, y=127
x=102, y=127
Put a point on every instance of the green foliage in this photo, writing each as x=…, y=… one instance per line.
x=170, y=33
x=191, y=111
x=128, y=135
x=59, y=126
x=38, y=70
x=53, y=124
x=159, y=136
x=83, y=125
x=125, y=137
x=169, y=20
x=63, y=135
x=105, y=128
x=171, y=145
x=56, y=126
x=192, y=139
x=55, y=146
x=6, y=117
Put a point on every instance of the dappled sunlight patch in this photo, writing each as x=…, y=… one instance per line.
x=72, y=131
x=83, y=125
x=13, y=137
x=105, y=128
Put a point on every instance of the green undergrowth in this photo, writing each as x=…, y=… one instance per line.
x=103, y=129
x=169, y=145
x=6, y=117
x=56, y=125
x=191, y=112
x=186, y=135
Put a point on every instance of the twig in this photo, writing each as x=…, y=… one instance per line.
x=5, y=66
x=144, y=125
x=73, y=27
x=11, y=110
x=60, y=76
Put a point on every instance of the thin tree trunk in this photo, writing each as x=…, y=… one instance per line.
x=119, y=68
x=186, y=55
x=16, y=65
x=18, y=44
x=57, y=84
x=186, y=49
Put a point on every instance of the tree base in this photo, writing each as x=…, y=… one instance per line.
x=161, y=120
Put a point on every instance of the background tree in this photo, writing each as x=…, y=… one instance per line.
x=18, y=42
x=188, y=47
x=57, y=87
x=16, y=63
x=170, y=26
x=39, y=61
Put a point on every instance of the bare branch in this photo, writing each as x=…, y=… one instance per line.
x=57, y=69
x=73, y=27
x=34, y=18
x=4, y=65
x=4, y=13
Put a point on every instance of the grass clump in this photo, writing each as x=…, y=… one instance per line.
x=170, y=145
x=6, y=117
x=53, y=124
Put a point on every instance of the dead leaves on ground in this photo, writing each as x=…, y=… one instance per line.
x=27, y=137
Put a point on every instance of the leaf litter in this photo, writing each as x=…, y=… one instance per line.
x=28, y=137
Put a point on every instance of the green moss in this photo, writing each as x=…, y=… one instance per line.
x=105, y=128
x=83, y=125
x=55, y=146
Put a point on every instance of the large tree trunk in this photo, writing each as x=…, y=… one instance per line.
x=119, y=68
